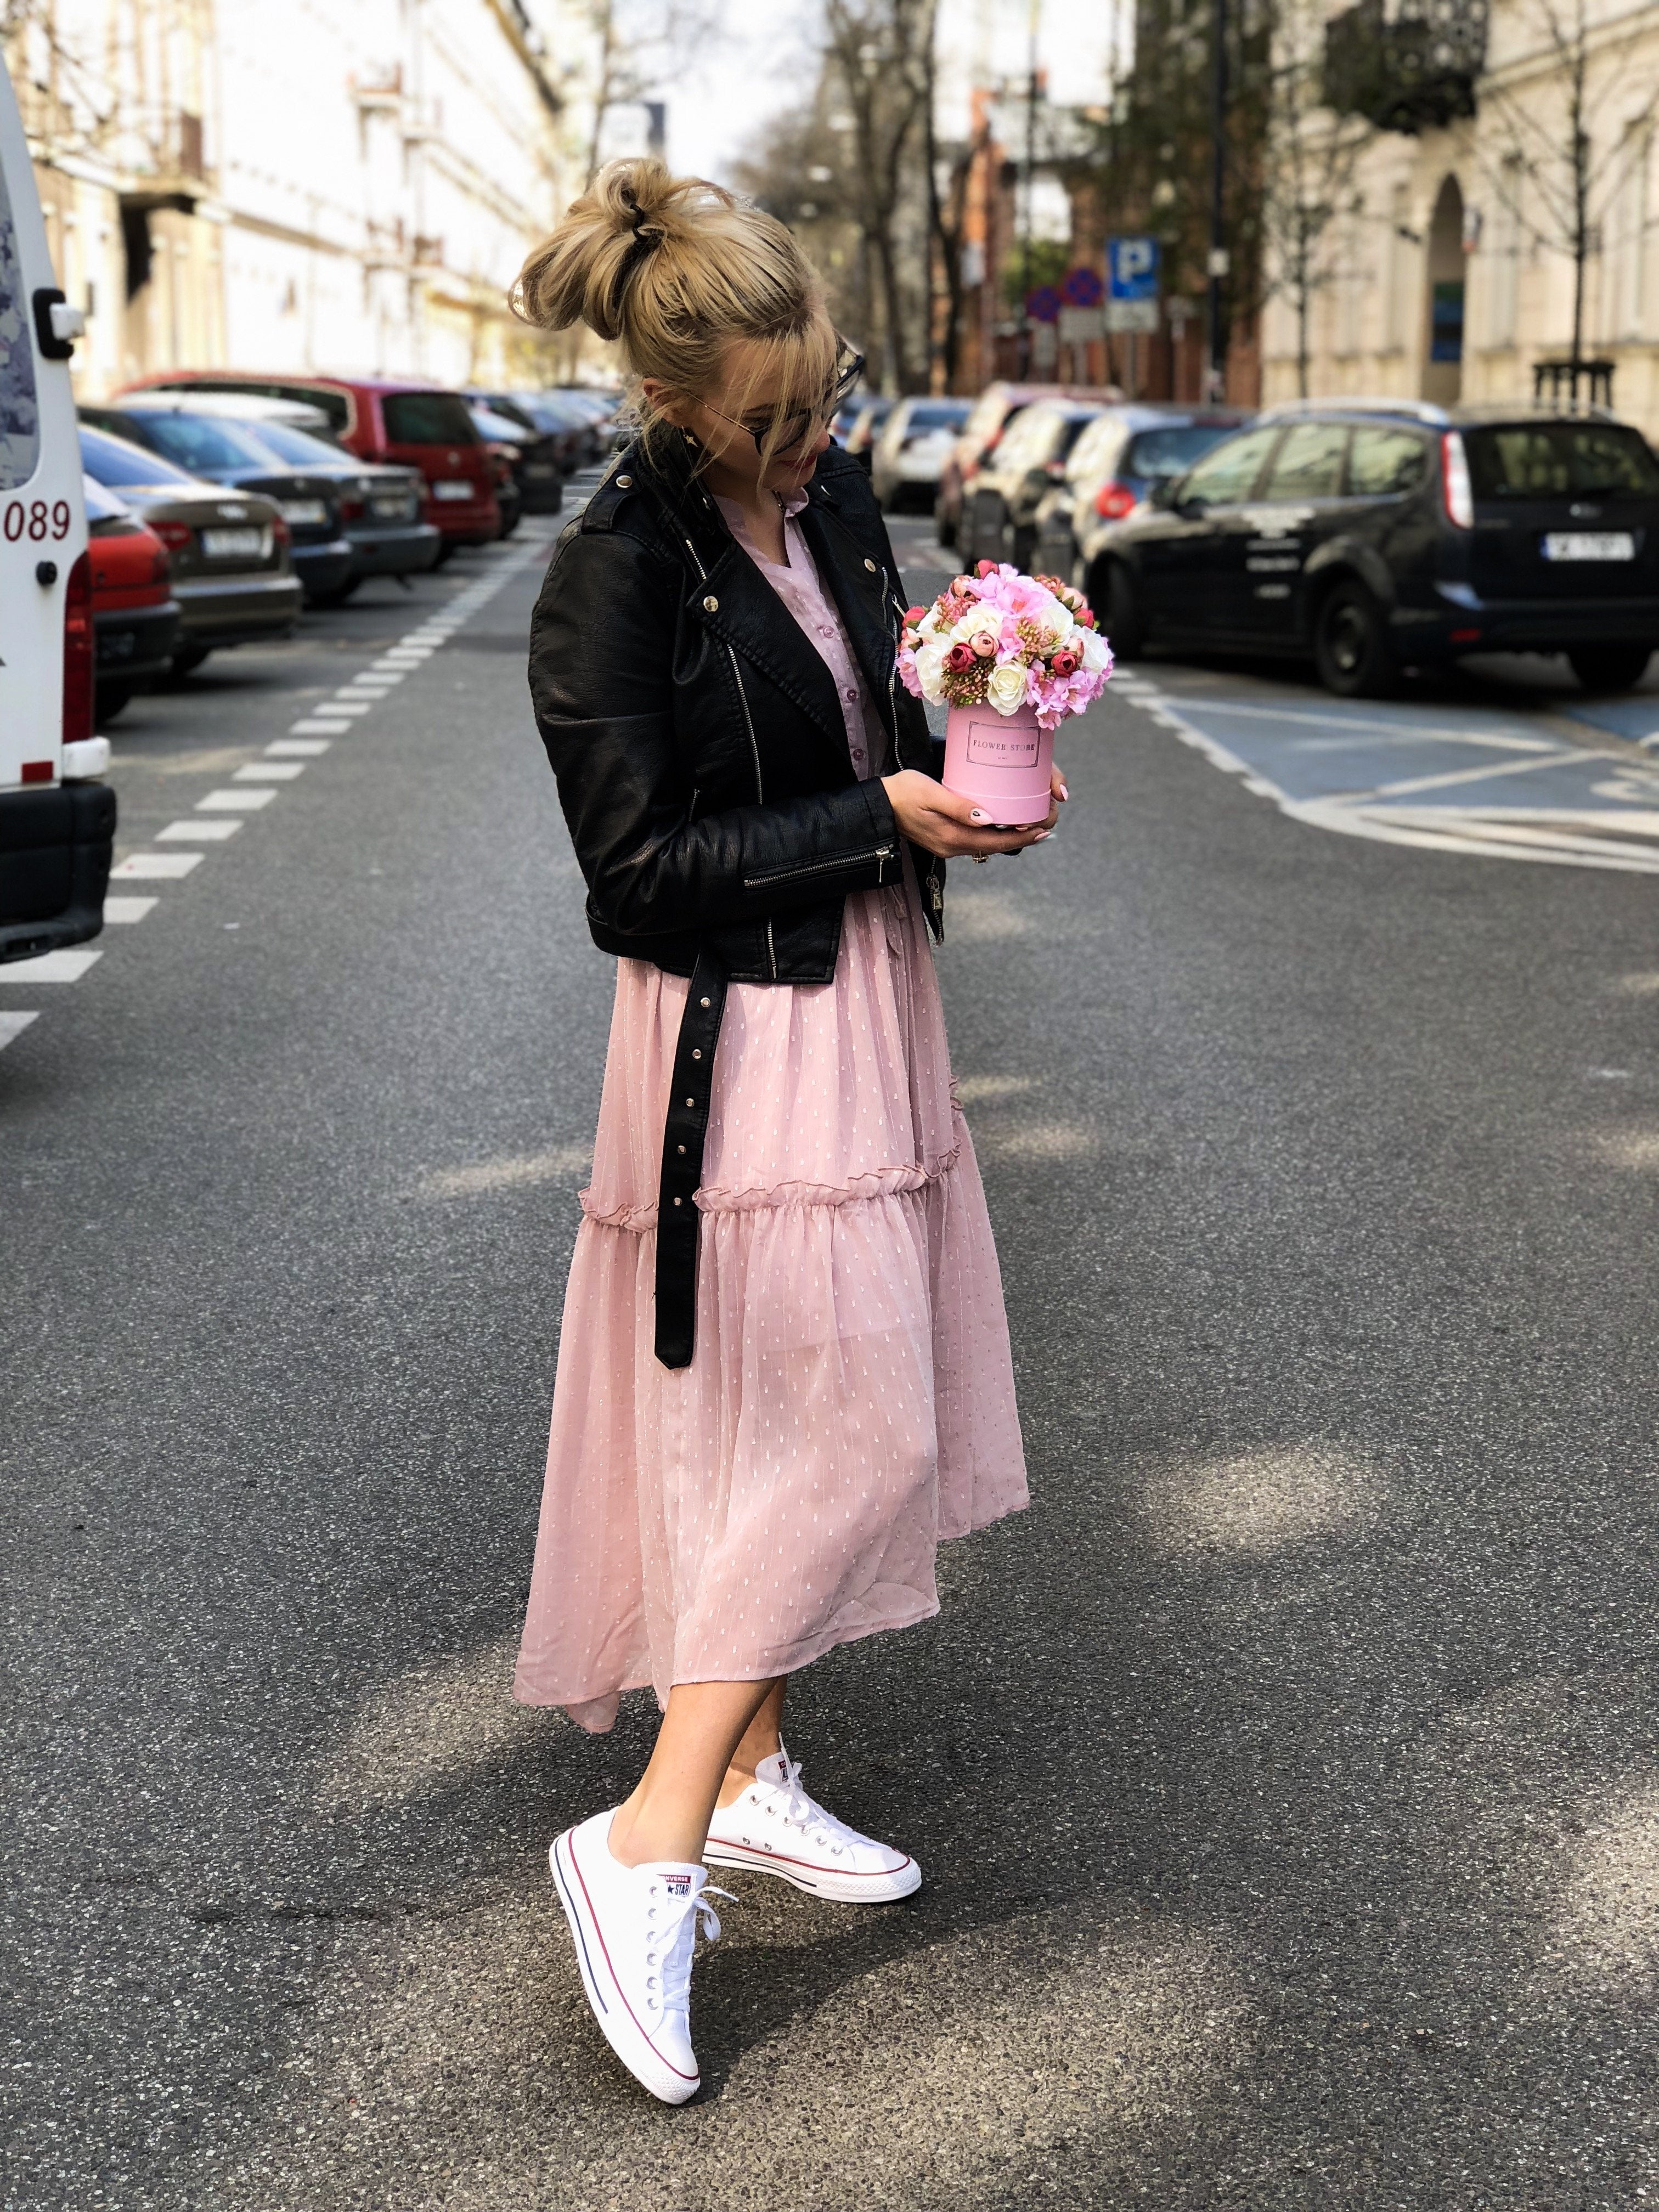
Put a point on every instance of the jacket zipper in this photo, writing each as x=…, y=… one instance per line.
x=754, y=747
x=881, y=854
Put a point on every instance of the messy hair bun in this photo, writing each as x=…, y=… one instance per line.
x=674, y=269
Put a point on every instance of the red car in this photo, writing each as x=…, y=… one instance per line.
x=414, y=425
x=135, y=617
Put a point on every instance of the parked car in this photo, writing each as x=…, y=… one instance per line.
x=1370, y=538
x=135, y=617
x=380, y=505
x=999, y=515
x=867, y=425
x=538, y=467
x=914, y=444
x=1112, y=468
x=57, y=817
x=987, y=421
x=217, y=448
x=230, y=566
x=577, y=420
x=415, y=426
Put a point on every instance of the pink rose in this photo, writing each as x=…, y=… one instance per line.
x=986, y=569
x=1065, y=663
x=914, y=615
x=961, y=584
x=983, y=642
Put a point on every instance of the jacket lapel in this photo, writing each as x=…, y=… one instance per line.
x=747, y=615
x=856, y=588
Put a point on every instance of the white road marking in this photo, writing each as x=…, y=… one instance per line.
x=66, y=967
x=128, y=909
x=235, y=802
x=269, y=772
x=13, y=1025
x=318, y=726
x=203, y=833
x=351, y=707
x=290, y=747
x=153, y=867
x=1483, y=773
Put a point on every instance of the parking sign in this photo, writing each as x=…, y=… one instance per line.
x=1132, y=278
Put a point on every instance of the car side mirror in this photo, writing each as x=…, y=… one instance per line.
x=1162, y=493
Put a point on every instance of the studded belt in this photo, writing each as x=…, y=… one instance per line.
x=679, y=1222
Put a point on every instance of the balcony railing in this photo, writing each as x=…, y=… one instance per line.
x=1407, y=65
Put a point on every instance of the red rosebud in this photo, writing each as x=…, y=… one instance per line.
x=986, y=569
x=1064, y=663
x=914, y=615
x=1085, y=616
x=959, y=659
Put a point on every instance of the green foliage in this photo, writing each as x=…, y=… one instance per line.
x=1050, y=259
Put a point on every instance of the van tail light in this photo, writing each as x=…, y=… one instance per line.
x=78, y=653
x=280, y=533
x=1455, y=482
x=160, y=566
x=175, y=535
x=1114, y=500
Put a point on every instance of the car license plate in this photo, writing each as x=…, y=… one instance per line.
x=539, y=469
x=390, y=510
x=232, y=544
x=302, y=510
x=1588, y=545
x=451, y=487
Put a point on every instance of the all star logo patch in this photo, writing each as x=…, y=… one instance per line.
x=677, y=1884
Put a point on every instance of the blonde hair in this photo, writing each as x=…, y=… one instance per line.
x=676, y=270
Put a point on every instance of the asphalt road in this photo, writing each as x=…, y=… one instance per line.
x=1285, y=1778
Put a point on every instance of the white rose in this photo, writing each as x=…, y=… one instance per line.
x=1006, y=689
x=1095, y=655
x=930, y=672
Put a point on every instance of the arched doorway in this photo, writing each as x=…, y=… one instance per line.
x=1442, y=365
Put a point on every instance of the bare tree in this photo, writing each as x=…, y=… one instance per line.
x=879, y=53
x=1307, y=177
x=639, y=45
x=1554, y=184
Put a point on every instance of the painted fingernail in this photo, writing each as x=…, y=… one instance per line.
x=976, y=814
x=1064, y=792
x=1041, y=834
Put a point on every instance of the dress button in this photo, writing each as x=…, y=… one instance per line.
x=703, y=1002
x=691, y=1102
x=851, y=693
x=677, y=1202
x=711, y=606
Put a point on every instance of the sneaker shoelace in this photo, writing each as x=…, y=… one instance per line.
x=669, y=1949
x=804, y=1813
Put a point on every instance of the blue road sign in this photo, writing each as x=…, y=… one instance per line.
x=1132, y=268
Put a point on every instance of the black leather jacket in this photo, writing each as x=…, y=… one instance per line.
x=701, y=754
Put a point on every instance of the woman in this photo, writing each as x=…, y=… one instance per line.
x=784, y=1372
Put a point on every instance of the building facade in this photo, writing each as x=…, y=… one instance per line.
x=1454, y=263
x=231, y=183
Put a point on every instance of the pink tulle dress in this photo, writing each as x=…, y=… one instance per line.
x=850, y=1400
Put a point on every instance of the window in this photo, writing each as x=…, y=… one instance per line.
x=20, y=414
x=1553, y=460
x=1627, y=237
x=1499, y=264
x=1030, y=441
x=1401, y=271
x=1230, y=471
x=427, y=418
x=115, y=461
x=1166, y=453
x=1385, y=462
x=1308, y=464
x=1095, y=454
x=198, y=442
x=934, y=415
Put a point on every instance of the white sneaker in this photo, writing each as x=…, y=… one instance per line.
x=777, y=1829
x=634, y=1930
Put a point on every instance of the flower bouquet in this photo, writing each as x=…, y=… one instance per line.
x=1010, y=656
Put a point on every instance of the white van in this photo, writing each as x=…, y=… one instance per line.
x=57, y=822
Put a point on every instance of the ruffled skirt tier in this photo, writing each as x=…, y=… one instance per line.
x=850, y=1402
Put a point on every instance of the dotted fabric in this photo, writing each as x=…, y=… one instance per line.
x=850, y=1402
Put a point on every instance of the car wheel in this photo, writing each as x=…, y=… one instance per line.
x=1609, y=667
x=1125, y=618
x=446, y=553
x=337, y=598
x=1351, y=644
x=189, y=659
x=109, y=700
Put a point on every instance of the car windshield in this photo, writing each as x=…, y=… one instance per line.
x=20, y=414
x=1031, y=439
x=1167, y=452
x=203, y=443
x=428, y=418
x=934, y=415
x=118, y=462
x=1095, y=454
x=286, y=443
x=1551, y=461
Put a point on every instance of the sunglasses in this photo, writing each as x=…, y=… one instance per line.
x=804, y=422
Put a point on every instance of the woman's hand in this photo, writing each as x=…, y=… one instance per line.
x=942, y=822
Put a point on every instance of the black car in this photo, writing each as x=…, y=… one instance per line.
x=531, y=453
x=213, y=447
x=1112, y=468
x=1373, y=539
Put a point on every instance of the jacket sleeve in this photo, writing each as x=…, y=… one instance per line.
x=601, y=679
